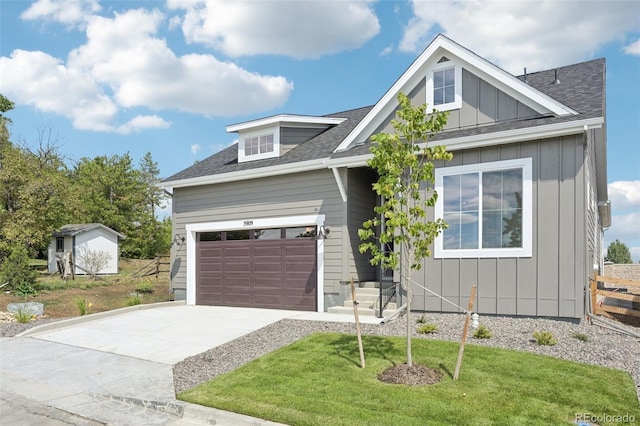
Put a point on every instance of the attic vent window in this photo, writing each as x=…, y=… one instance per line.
x=258, y=145
x=443, y=59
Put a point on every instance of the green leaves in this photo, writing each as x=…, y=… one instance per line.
x=406, y=176
x=39, y=193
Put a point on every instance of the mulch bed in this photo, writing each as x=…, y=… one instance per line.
x=416, y=375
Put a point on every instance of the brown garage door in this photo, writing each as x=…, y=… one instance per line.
x=273, y=268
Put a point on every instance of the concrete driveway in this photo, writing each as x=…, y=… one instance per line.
x=116, y=367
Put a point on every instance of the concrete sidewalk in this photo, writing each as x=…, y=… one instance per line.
x=116, y=367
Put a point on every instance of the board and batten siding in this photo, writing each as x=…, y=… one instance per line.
x=309, y=193
x=482, y=103
x=552, y=281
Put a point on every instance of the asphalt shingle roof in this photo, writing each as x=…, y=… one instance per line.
x=581, y=88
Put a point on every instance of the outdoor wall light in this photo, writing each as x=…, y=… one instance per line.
x=323, y=232
x=178, y=239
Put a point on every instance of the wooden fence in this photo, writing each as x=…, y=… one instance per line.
x=621, y=302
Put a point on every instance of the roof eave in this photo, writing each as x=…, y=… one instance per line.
x=280, y=169
x=494, y=138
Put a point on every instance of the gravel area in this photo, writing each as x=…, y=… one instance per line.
x=605, y=347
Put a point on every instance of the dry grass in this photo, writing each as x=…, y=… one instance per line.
x=111, y=292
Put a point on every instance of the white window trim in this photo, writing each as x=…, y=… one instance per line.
x=527, y=210
x=277, y=222
x=275, y=131
x=457, y=103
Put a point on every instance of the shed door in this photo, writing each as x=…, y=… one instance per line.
x=272, y=268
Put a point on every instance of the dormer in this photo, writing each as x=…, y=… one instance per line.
x=274, y=136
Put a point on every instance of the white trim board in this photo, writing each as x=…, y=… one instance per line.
x=249, y=223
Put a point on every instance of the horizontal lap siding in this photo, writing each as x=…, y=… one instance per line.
x=551, y=282
x=297, y=194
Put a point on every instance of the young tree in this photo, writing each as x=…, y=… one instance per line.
x=404, y=162
x=618, y=252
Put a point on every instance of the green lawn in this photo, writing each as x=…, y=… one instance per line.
x=318, y=381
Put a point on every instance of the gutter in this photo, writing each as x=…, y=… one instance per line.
x=455, y=144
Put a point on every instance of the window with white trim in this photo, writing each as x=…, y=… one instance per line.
x=257, y=145
x=488, y=209
x=444, y=86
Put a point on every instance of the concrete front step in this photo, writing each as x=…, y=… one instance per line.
x=361, y=311
x=368, y=304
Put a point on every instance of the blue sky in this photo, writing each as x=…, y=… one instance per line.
x=166, y=77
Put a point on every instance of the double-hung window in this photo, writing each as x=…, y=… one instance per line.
x=488, y=209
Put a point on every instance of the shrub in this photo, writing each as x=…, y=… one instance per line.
x=83, y=307
x=16, y=270
x=427, y=328
x=581, y=337
x=134, y=300
x=22, y=315
x=544, y=338
x=421, y=319
x=144, y=287
x=482, y=332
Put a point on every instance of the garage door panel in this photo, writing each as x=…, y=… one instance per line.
x=237, y=267
x=211, y=267
x=279, y=274
x=267, y=250
x=263, y=267
x=232, y=250
x=265, y=283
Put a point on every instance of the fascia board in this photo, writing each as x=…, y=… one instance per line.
x=495, y=75
x=507, y=82
x=284, y=119
x=490, y=139
x=260, y=172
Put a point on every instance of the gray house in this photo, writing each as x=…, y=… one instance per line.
x=272, y=221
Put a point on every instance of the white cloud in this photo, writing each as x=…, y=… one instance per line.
x=625, y=194
x=633, y=48
x=67, y=12
x=518, y=34
x=387, y=50
x=40, y=80
x=195, y=148
x=300, y=29
x=124, y=64
x=142, y=122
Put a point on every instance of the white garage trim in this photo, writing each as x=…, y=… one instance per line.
x=275, y=222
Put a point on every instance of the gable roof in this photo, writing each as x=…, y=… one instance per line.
x=72, y=230
x=443, y=46
x=574, y=105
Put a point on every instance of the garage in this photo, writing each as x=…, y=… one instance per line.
x=266, y=268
